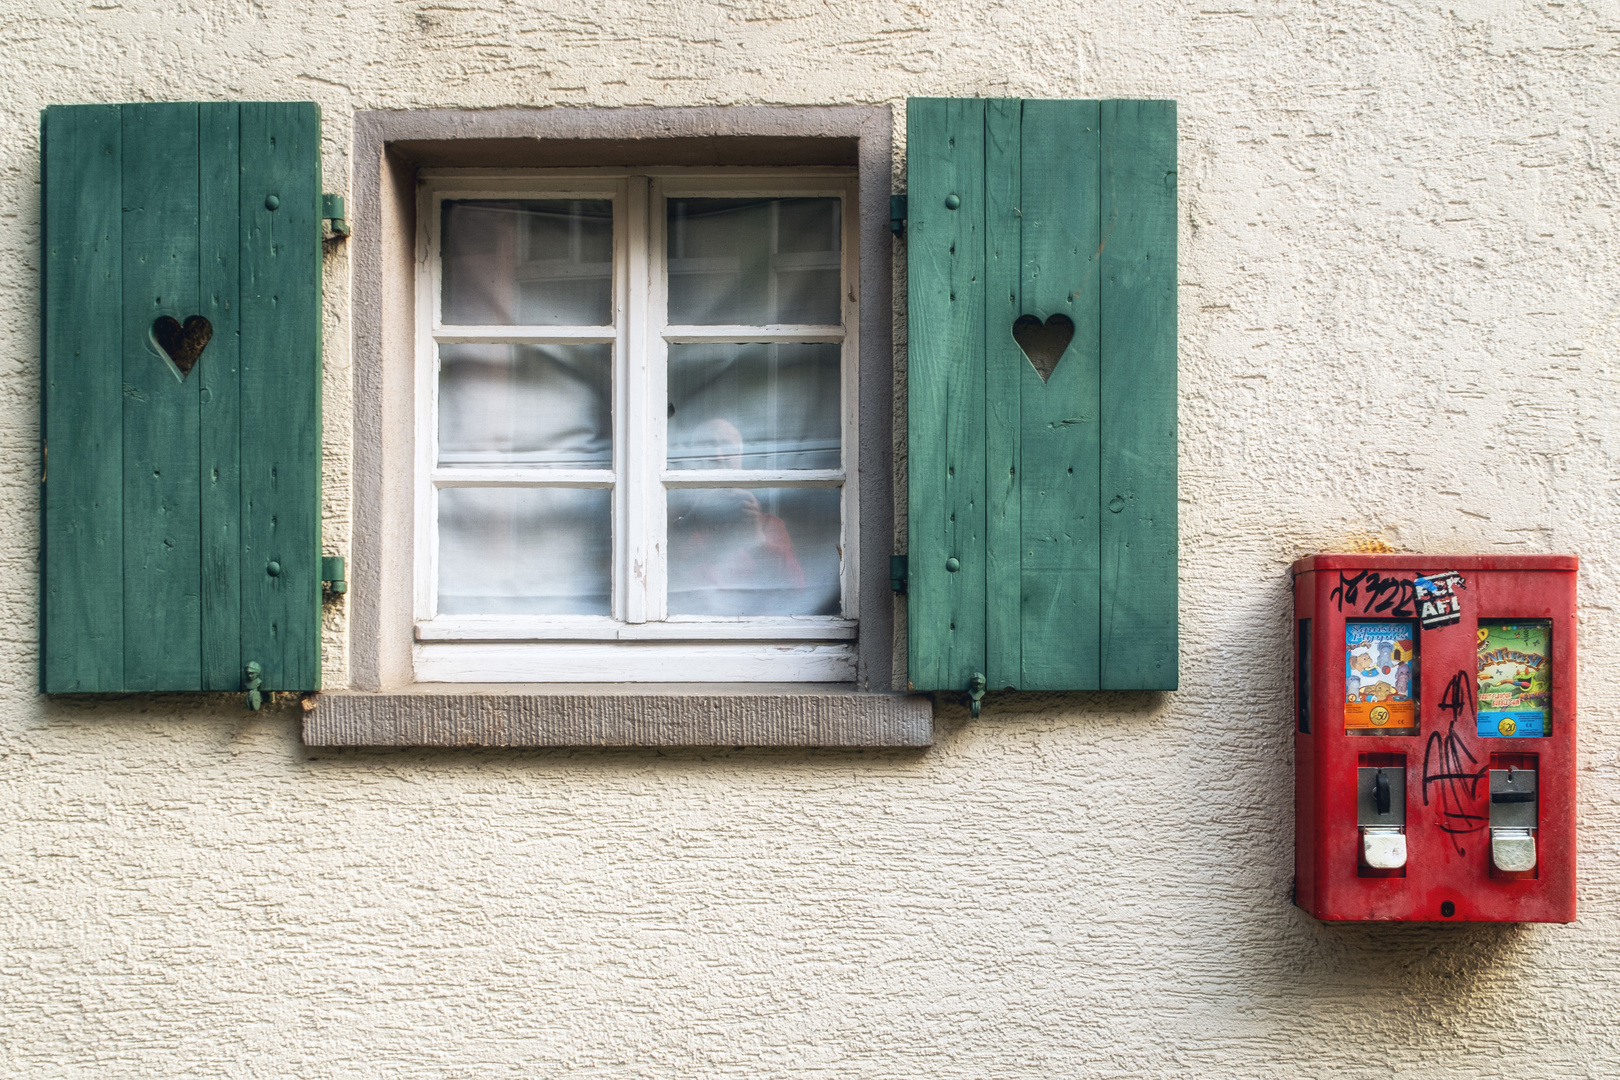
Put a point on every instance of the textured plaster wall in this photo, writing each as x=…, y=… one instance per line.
x=1399, y=323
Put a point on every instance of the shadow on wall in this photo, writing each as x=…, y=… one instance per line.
x=951, y=712
x=1358, y=970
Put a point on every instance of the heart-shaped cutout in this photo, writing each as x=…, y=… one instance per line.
x=1043, y=343
x=184, y=344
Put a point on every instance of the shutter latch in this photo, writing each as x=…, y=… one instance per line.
x=332, y=210
x=975, y=691
x=334, y=575
x=898, y=572
x=254, y=682
x=897, y=214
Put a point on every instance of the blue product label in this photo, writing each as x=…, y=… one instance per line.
x=1526, y=723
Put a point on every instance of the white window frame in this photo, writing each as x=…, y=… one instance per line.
x=639, y=641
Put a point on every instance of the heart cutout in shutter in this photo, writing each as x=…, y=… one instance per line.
x=184, y=344
x=1043, y=343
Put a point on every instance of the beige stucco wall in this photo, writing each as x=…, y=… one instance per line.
x=1399, y=270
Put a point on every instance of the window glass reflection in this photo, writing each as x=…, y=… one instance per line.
x=526, y=405
x=753, y=262
x=754, y=406
x=537, y=262
x=762, y=551
x=529, y=551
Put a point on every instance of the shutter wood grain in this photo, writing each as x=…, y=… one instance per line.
x=946, y=391
x=1139, y=530
x=162, y=599
x=220, y=473
x=169, y=494
x=1059, y=466
x=82, y=562
x=1005, y=371
x=1069, y=581
x=281, y=392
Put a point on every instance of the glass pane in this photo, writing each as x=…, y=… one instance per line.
x=530, y=551
x=534, y=405
x=539, y=262
x=753, y=261
x=764, y=551
x=754, y=406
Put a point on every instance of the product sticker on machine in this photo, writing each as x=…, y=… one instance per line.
x=1380, y=676
x=1515, y=680
x=1438, y=602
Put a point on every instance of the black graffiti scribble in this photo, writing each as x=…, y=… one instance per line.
x=1459, y=695
x=1383, y=594
x=1443, y=765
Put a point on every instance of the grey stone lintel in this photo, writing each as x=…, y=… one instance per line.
x=617, y=715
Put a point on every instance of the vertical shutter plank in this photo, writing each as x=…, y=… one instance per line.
x=946, y=391
x=1139, y=531
x=162, y=648
x=280, y=380
x=83, y=561
x=221, y=578
x=1005, y=369
x=1059, y=467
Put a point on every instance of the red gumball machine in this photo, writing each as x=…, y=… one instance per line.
x=1434, y=749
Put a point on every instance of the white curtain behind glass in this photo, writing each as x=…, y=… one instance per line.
x=744, y=550
x=755, y=550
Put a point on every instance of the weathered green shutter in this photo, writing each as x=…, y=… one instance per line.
x=182, y=510
x=1042, y=512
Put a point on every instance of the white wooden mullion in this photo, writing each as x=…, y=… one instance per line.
x=452, y=476
x=641, y=586
x=425, y=526
x=652, y=463
x=751, y=478
x=782, y=334
x=634, y=661
x=849, y=518
x=526, y=335
x=762, y=180
x=606, y=628
x=620, y=542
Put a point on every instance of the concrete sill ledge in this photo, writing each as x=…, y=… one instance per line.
x=588, y=715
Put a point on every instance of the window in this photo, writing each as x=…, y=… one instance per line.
x=635, y=426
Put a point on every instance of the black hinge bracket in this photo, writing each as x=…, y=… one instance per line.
x=332, y=211
x=334, y=574
x=897, y=214
x=899, y=567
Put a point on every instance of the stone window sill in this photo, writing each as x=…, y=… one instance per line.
x=576, y=715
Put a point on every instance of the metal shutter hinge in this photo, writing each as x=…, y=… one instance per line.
x=897, y=214
x=334, y=574
x=899, y=568
x=332, y=211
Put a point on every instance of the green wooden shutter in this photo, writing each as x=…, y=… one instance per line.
x=1042, y=520
x=182, y=509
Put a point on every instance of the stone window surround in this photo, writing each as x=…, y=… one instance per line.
x=384, y=707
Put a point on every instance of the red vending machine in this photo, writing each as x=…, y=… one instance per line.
x=1435, y=737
